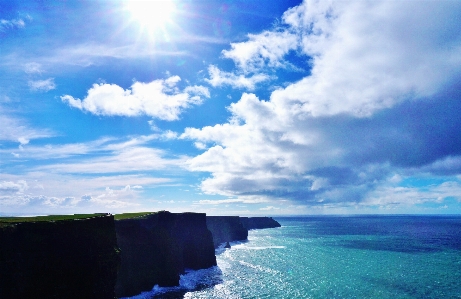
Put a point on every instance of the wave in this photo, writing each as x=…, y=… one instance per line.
x=264, y=247
x=191, y=280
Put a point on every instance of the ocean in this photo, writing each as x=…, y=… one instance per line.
x=335, y=257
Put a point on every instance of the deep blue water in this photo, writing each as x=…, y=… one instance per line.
x=335, y=257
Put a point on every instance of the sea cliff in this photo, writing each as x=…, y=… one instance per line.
x=95, y=256
x=259, y=222
x=68, y=258
x=157, y=248
x=235, y=228
x=226, y=228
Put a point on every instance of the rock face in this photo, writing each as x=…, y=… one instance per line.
x=235, y=228
x=226, y=228
x=96, y=257
x=59, y=259
x=259, y=222
x=156, y=248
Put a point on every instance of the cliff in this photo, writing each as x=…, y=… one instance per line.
x=156, y=248
x=93, y=256
x=235, y=228
x=226, y=228
x=67, y=258
x=259, y=222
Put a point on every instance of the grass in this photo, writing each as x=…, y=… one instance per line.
x=5, y=221
x=132, y=215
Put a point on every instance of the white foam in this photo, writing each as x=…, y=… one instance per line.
x=190, y=281
x=264, y=247
x=258, y=267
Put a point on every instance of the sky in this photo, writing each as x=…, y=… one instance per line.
x=230, y=107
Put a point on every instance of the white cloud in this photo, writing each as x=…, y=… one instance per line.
x=42, y=85
x=9, y=187
x=200, y=145
x=398, y=195
x=366, y=57
x=168, y=134
x=23, y=140
x=265, y=49
x=371, y=55
x=160, y=99
x=40, y=191
x=219, y=78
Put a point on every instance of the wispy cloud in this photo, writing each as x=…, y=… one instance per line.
x=42, y=85
x=16, y=129
x=240, y=81
x=33, y=68
x=13, y=23
x=88, y=54
x=127, y=160
x=108, y=173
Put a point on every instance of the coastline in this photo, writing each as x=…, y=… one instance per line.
x=166, y=245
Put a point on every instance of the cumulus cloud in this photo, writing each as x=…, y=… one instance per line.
x=42, y=85
x=380, y=101
x=369, y=55
x=161, y=99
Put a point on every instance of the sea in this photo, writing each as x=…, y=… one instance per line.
x=334, y=257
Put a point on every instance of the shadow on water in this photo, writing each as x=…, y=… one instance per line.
x=408, y=234
x=409, y=289
x=393, y=245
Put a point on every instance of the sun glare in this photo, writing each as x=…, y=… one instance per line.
x=151, y=14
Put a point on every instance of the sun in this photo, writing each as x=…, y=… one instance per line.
x=151, y=14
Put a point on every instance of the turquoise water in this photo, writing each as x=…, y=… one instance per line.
x=335, y=257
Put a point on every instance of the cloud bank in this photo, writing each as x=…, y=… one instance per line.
x=380, y=100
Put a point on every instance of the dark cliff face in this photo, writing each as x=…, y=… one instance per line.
x=235, y=228
x=226, y=228
x=90, y=257
x=156, y=248
x=59, y=259
x=259, y=222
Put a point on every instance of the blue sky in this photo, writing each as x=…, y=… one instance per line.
x=230, y=107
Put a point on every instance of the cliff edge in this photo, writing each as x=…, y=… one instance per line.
x=158, y=247
x=259, y=222
x=234, y=228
